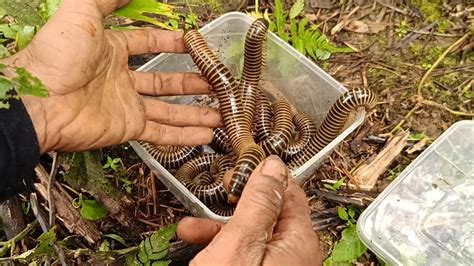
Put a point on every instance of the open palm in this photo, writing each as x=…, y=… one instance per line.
x=94, y=99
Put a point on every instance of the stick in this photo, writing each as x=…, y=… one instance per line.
x=69, y=215
x=368, y=174
x=440, y=59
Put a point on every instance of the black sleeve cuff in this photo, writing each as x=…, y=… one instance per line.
x=19, y=150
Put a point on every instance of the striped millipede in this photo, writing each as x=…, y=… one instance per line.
x=237, y=101
x=171, y=157
x=307, y=129
x=334, y=122
x=208, y=192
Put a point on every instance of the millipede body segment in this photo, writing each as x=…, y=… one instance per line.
x=334, y=122
x=201, y=167
x=171, y=157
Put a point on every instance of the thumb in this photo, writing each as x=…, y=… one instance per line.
x=256, y=214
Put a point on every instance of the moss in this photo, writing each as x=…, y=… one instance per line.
x=415, y=48
x=431, y=10
x=451, y=79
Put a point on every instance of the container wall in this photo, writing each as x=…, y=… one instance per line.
x=308, y=88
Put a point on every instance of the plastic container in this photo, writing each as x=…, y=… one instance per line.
x=426, y=216
x=307, y=87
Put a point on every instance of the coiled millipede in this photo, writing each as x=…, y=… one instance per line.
x=253, y=126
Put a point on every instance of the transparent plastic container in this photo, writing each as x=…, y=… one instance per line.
x=426, y=216
x=290, y=74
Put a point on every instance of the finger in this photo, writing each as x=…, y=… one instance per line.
x=198, y=230
x=180, y=136
x=294, y=229
x=144, y=41
x=106, y=7
x=295, y=212
x=159, y=84
x=260, y=204
x=181, y=115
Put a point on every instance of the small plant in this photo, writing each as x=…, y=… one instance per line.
x=402, y=28
x=305, y=38
x=90, y=209
x=393, y=173
x=153, y=250
x=112, y=163
x=349, y=248
x=336, y=186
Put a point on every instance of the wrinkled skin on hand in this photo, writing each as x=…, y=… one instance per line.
x=94, y=99
x=271, y=225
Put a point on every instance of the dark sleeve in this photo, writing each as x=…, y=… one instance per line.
x=19, y=150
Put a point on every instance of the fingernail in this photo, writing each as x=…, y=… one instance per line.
x=274, y=166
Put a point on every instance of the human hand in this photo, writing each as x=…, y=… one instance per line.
x=270, y=226
x=94, y=99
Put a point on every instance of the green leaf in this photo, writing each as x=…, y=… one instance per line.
x=104, y=246
x=352, y=211
x=4, y=105
x=161, y=263
x=3, y=12
x=4, y=52
x=154, y=248
x=296, y=8
x=27, y=84
x=9, y=31
x=91, y=210
x=116, y=238
x=5, y=87
x=338, y=184
x=137, y=8
x=349, y=248
x=24, y=36
x=48, y=8
x=280, y=17
x=46, y=241
x=25, y=12
x=342, y=213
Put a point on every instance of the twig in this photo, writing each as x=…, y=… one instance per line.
x=425, y=32
x=454, y=112
x=358, y=199
x=153, y=190
x=10, y=243
x=52, y=174
x=440, y=59
x=45, y=227
x=400, y=124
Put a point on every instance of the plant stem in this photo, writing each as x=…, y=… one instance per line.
x=440, y=59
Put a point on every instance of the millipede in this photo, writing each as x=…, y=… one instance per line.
x=306, y=129
x=237, y=101
x=211, y=164
x=334, y=122
x=171, y=157
x=254, y=127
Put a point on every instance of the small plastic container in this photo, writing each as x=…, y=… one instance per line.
x=306, y=86
x=426, y=216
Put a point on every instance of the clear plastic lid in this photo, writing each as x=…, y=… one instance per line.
x=426, y=216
